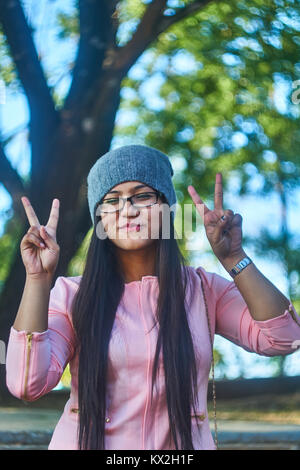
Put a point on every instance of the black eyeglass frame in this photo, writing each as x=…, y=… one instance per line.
x=125, y=199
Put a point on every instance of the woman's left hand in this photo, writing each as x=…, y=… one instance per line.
x=224, y=235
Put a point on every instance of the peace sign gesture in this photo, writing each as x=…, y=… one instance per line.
x=223, y=227
x=39, y=249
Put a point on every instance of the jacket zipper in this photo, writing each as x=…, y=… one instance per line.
x=76, y=410
x=28, y=349
x=290, y=309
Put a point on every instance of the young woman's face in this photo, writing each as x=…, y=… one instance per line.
x=147, y=219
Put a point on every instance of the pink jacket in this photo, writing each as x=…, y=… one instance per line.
x=35, y=361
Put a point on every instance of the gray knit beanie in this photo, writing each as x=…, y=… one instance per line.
x=131, y=163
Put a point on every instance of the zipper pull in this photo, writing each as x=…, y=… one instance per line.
x=28, y=340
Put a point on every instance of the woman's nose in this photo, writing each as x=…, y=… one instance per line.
x=129, y=208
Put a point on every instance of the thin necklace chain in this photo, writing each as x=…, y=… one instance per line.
x=213, y=364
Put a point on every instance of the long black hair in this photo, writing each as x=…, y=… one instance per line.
x=94, y=310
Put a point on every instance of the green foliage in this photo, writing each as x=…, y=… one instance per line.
x=6, y=255
x=202, y=108
x=76, y=265
x=66, y=377
x=130, y=10
x=68, y=25
x=7, y=67
x=236, y=54
x=220, y=363
x=8, y=247
x=232, y=55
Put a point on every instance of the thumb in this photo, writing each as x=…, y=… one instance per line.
x=51, y=244
x=223, y=222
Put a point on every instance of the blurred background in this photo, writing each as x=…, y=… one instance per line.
x=215, y=85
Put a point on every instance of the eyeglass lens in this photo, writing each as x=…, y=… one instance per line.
x=138, y=200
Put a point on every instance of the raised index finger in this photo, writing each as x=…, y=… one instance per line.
x=31, y=215
x=54, y=214
x=200, y=206
x=219, y=192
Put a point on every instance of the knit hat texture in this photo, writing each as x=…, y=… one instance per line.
x=131, y=163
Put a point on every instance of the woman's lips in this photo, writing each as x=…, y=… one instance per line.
x=132, y=228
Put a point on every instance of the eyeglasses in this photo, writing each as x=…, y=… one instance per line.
x=137, y=200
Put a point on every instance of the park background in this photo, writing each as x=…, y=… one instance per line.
x=212, y=84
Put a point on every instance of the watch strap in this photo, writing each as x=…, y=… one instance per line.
x=240, y=266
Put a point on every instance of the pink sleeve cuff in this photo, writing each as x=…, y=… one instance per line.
x=278, y=322
x=36, y=335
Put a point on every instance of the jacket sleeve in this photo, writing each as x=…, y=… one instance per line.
x=277, y=336
x=35, y=361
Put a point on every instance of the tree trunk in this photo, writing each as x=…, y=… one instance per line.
x=71, y=152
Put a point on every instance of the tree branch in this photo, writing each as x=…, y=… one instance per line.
x=95, y=26
x=152, y=24
x=143, y=36
x=10, y=178
x=167, y=21
x=112, y=6
x=24, y=54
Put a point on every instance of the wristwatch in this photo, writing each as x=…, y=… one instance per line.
x=240, y=266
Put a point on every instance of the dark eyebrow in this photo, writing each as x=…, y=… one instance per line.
x=136, y=187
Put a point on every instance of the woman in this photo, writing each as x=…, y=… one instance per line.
x=137, y=327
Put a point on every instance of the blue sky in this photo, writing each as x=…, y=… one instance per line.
x=257, y=212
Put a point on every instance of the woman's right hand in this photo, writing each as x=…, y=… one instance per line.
x=40, y=261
